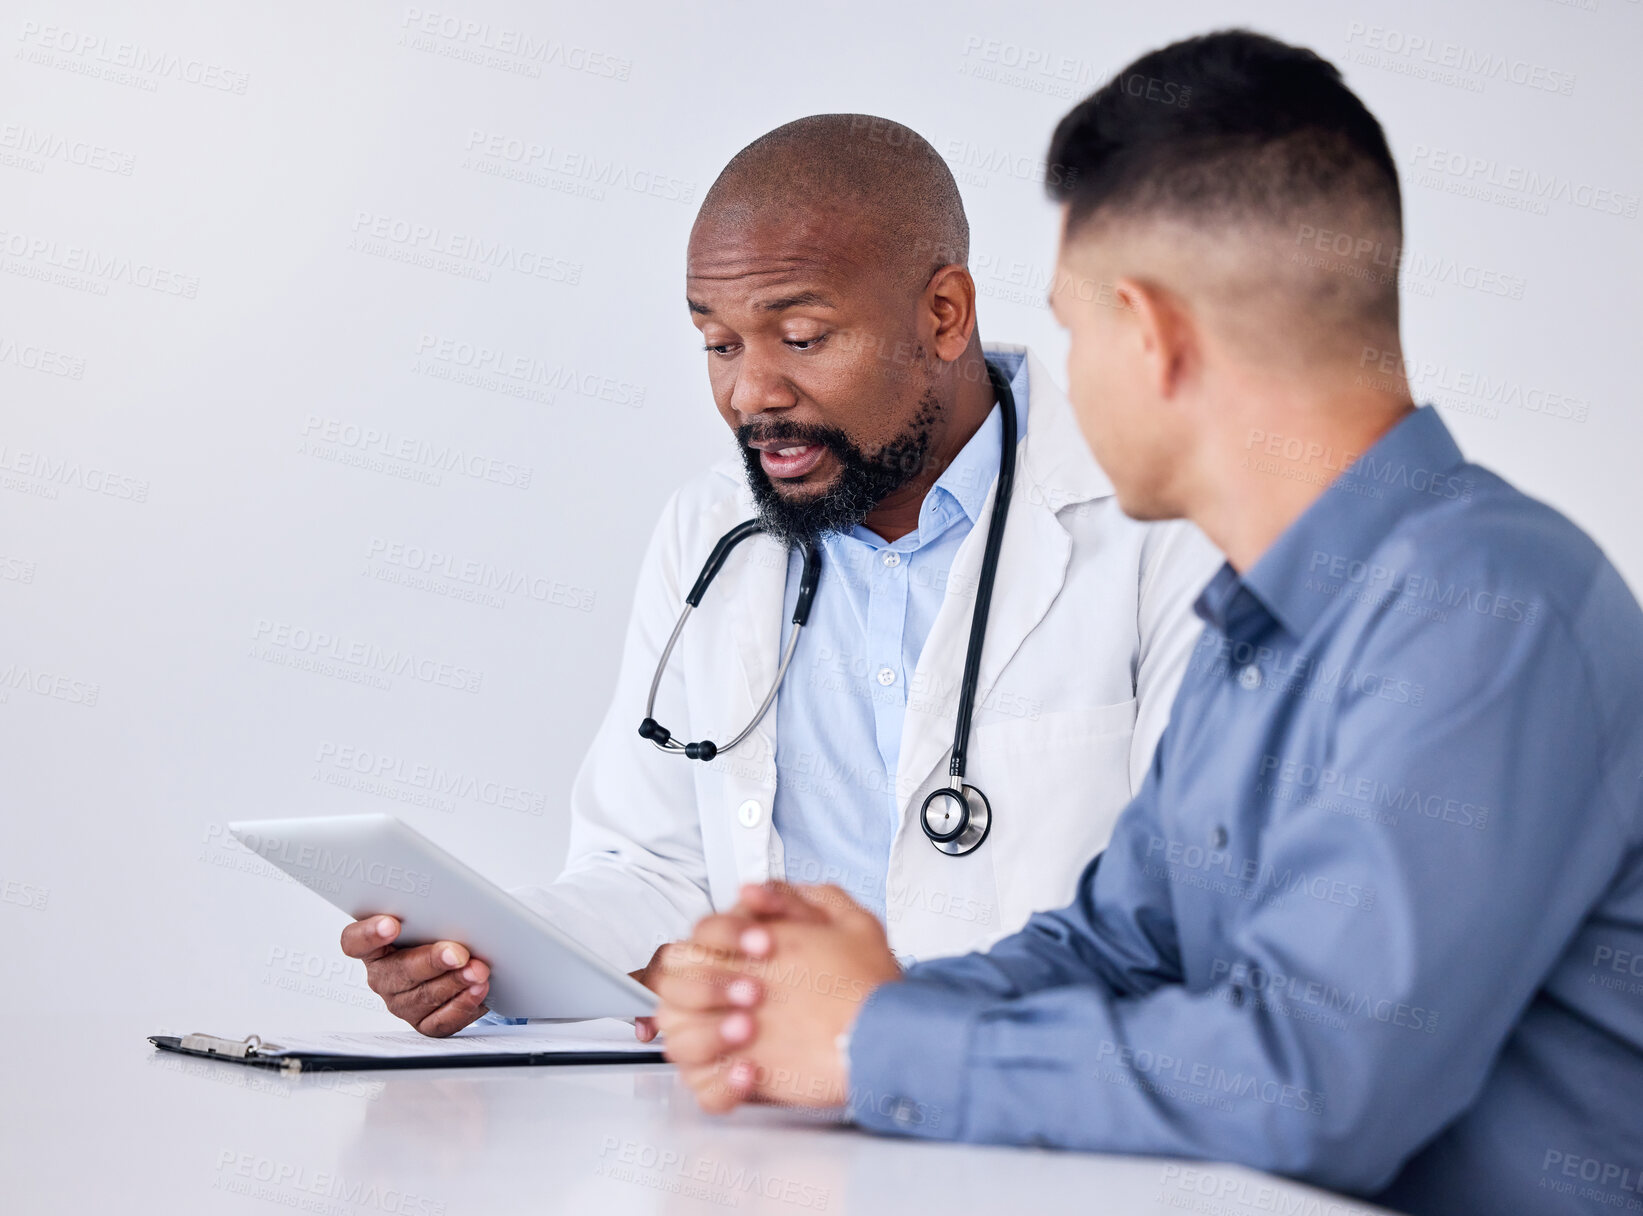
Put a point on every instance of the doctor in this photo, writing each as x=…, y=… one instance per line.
x=827, y=275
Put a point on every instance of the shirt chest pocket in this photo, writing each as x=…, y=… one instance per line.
x=1056, y=785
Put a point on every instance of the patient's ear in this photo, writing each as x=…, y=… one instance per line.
x=1162, y=329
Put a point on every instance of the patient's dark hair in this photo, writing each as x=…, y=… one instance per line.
x=1235, y=129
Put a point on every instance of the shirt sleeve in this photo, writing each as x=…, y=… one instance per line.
x=1453, y=927
x=636, y=874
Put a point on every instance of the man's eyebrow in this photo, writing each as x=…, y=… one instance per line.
x=802, y=299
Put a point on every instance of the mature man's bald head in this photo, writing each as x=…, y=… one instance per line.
x=874, y=192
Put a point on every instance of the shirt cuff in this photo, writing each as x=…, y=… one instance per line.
x=909, y=1058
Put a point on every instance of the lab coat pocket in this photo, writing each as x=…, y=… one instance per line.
x=1056, y=784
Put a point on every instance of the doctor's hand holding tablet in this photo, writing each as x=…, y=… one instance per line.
x=428, y=927
x=438, y=988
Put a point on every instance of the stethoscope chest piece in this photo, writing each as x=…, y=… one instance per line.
x=956, y=822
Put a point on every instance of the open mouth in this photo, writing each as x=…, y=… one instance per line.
x=791, y=460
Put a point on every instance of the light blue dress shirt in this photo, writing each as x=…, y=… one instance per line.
x=1375, y=917
x=839, y=715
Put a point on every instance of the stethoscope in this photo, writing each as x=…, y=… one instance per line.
x=956, y=817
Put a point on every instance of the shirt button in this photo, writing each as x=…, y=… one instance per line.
x=892, y=558
x=1218, y=838
x=749, y=813
x=1250, y=677
x=887, y=676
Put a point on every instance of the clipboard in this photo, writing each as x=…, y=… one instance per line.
x=254, y=1052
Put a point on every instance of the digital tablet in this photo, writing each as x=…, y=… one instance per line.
x=374, y=865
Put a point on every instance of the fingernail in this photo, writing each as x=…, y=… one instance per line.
x=476, y=990
x=449, y=956
x=743, y=992
x=741, y=1075
x=755, y=942
x=470, y=973
x=385, y=927
x=737, y=1028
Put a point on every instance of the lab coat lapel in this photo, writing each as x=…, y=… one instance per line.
x=1032, y=566
x=1054, y=470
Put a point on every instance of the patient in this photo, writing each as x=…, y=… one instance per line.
x=1372, y=918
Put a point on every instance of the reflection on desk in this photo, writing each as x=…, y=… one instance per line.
x=188, y=1135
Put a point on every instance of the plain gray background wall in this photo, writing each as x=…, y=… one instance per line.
x=262, y=269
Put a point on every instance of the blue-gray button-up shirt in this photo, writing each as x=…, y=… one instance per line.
x=1375, y=917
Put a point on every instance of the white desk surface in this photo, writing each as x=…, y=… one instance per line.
x=114, y=1127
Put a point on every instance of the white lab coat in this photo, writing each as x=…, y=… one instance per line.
x=1090, y=627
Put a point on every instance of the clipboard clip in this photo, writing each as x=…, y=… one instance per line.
x=249, y=1049
x=212, y=1045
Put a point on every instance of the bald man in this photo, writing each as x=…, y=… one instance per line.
x=826, y=275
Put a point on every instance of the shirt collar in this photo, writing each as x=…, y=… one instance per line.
x=1414, y=463
x=970, y=477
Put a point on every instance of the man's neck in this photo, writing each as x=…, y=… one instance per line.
x=1262, y=471
x=898, y=513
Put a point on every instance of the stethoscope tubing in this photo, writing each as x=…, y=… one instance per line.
x=975, y=816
